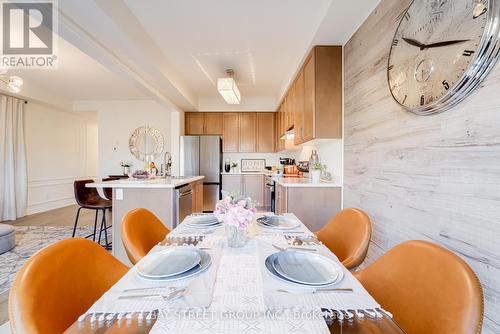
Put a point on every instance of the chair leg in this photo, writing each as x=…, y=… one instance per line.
x=95, y=225
x=76, y=221
x=105, y=227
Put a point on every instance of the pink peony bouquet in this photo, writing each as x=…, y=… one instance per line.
x=235, y=210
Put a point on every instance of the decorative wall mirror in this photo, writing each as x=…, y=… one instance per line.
x=146, y=143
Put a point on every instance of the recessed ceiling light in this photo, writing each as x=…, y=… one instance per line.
x=228, y=89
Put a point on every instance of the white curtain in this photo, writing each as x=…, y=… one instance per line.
x=13, y=170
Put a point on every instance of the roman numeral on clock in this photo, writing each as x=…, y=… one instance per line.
x=468, y=53
x=407, y=16
x=395, y=42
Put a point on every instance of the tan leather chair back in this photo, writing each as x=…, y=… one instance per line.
x=59, y=283
x=427, y=288
x=348, y=235
x=141, y=231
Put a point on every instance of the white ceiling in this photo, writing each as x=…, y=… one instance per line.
x=77, y=77
x=174, y=51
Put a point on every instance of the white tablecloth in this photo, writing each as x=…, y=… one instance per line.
x=239, y=295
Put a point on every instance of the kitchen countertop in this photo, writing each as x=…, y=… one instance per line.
x=149, y=183
x=303, y=182
x=291, y=181
x=248, y=173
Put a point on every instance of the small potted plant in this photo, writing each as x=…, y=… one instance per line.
x=234, y=167
x=126, y=167
x=316, y=172
x=236, y=213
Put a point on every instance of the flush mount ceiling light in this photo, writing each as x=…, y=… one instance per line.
x=13, y=83
x=228, y=89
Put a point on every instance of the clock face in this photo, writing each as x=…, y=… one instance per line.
x=435, y=47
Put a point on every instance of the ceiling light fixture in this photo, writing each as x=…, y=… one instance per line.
x=228, y=89
x=13, y=83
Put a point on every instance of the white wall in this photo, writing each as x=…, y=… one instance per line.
x=117, y=120
x=61, y=147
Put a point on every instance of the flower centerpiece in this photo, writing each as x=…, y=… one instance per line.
x=236, y=213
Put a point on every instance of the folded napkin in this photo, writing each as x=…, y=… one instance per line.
x=198, y=295
x=301, y=297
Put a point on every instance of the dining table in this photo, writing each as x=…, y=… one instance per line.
x=238, y=294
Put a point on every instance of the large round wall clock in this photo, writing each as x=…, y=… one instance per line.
x=441, y=51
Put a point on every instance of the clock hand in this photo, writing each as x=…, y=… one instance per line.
x=414, y=43
x=445, y=43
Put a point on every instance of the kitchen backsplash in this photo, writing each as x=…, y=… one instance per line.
x=330, y=154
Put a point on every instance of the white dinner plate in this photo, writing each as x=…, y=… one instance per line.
x=202, y=221
x=306, y=268
x=170, y=262
x=204, y=264
x=278, y=222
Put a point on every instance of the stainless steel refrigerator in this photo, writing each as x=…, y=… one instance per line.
x=202, y=155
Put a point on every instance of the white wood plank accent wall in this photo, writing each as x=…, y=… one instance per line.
x=435, y=178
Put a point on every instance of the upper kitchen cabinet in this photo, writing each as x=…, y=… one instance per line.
x=197, y=123
x=265, y=132
x=248, y=132
x=321, y=114
x=213, y=123
x=194, y=123
x=230, y=132
x=314, y=100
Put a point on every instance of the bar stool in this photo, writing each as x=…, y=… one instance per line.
x=88, y=198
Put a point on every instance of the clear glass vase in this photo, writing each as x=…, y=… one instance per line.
x=235, y=237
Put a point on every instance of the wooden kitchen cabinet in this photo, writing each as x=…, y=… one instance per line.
x=298, y=109
x=322, y=111
x=265, y=132
x=198, y=123
x=213, y=123
x=308, y=101
x=253, y=187
x=197, y=188
x=245, y=132
x=194, y=123
x=248, y=132
x=314, y=206
x=232, y=183
x=315, y=98
x=230, y=132
x=280, y=200
x=248, y=185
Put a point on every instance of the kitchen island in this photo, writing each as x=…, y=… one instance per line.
x=170, y=199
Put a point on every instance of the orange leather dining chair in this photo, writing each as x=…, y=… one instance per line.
x=141, y=231
x=348, y=235
x=59, y=283
x=427, y=288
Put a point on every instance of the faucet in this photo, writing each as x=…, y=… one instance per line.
x=166, y=167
